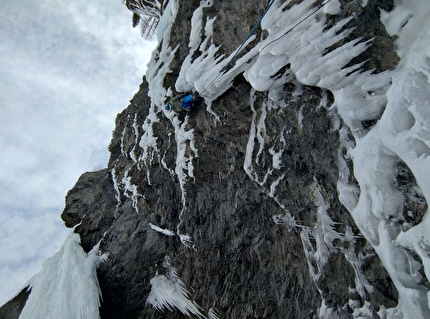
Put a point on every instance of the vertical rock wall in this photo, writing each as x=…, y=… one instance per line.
x=231, y=243
x=194, y=199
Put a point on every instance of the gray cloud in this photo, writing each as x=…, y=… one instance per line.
x=66, y=70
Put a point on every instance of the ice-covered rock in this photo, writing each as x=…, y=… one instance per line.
x=298, y=188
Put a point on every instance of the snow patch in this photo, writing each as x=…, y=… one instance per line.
x=130, y=191
x=116, y=187
x=163, y=231
x=406, y=21
x=136, y=139
x=332, y=7
x=166, y=21
x=148, y=140
x=257, y=132
x=186, y=239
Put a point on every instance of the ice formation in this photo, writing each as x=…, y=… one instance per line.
x=67, y=286
x=168, y=291
x=163, y=231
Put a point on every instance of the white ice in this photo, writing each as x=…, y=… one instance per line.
x=67, y=286
x=131, y=191
x=163, y=231
x=168, y=291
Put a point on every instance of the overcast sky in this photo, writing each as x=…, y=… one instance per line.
x=66, y=69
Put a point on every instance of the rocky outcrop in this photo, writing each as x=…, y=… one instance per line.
x=91, y=204
x=13, y=308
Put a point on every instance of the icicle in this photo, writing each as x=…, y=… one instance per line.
x=67, y=285
x=163, y=231
x=169, y=292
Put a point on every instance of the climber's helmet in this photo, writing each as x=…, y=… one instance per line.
x=167, y=107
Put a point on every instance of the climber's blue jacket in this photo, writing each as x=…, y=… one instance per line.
x=181, y=103
x=187, y=101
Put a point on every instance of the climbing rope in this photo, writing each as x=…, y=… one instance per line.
x=227, y=66
x=297, y=24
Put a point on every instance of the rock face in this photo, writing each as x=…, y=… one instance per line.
x=13, y=308
x=197, y=203
x=241, y=259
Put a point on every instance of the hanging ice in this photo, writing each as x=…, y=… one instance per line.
x=168, y=291
x=67, y=286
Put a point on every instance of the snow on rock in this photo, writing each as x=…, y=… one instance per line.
x=116, y=186
x=131, y=191
x=203, y=73
x=67, y=285
x=186, y=151
x=332, y=7
x=184, y=138
x=186, y=76
x=407, y=20
x=166, y=20
x=401, y=135
x=256, y=133
x=159, y=64
x=136, y=138
x=281, y=47
x=163, y=231
x=169, y=292
x=148, y=140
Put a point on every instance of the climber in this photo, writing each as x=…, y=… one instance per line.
x=181, y=103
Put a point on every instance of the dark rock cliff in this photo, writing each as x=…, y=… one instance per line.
x=243, y=258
